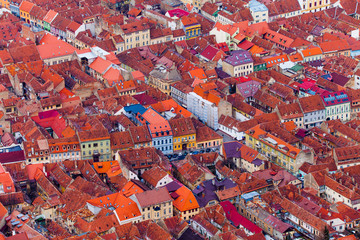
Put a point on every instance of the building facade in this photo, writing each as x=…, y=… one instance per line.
x=238, y=64
x=337, y=106
x=259, y=11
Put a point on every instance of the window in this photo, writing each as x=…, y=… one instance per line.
x=95, y=144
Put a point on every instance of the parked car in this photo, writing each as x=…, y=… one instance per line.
x=202, y=151
x=181, y=157
x=208, y=150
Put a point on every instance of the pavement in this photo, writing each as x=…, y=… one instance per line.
x=227, y=138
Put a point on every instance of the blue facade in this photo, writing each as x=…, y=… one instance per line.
x=14, y=8
x=355, y=53
x=163, y=143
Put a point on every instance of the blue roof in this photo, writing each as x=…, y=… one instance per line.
x=249, y=195
x=256, y=6
x=136, y=108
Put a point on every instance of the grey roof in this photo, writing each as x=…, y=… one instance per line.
x=164, y=73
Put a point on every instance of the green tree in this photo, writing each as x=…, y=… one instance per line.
x=326, y=234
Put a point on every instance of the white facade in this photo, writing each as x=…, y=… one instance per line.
x=179, y=96
x=206, y=111
x=314, y=119
x=70, y=36
x=200, y=229
x=333, y=196
x=337, y=224
x=356, y=82
x=59, y=157
x=164, y=181
x=312, y=58
x=259, y=11
x=338, y=111
x=220, y=36
x=233, y=132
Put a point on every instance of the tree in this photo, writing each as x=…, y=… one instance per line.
x=326, y=234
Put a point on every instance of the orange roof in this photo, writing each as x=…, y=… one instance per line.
x=271, y=61
x=111, y=167
x=228, y=28
x=311, y=52
x=186, y=20
x=286, y=148
x=171, y=105
x=349, y=237
x=125, y=86
x=189, y=7
x=137, y=75
x=128, y=209
x=68, y=132
x=256, y=49
x=100, y=65
x=82, y=51
x=73, y=26
x=50, y=16
x=51, y=47
x=186, y=200
x=207, y=91
x=3, y=211
x=112, y=58
x=26, y=6
x=66, y=93
x=198, y=73
x=131, y=188
x=197, y=81
x=278, y=38
x=113, y=76
x=290, y=126
x=338, y=45
x=240, y=37
x=125, y=208
x=295, y=57
x=134, y=12
x=31, y=169
x=38, y=173
x=214, y=98
x=7, y=182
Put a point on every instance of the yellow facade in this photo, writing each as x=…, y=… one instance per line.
x=4, y=4
x=210, y=143
x=189, y=140
x=315, y=5
x=193, y=31
x=276, y=156
x=186, y=215
x=25, y=15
